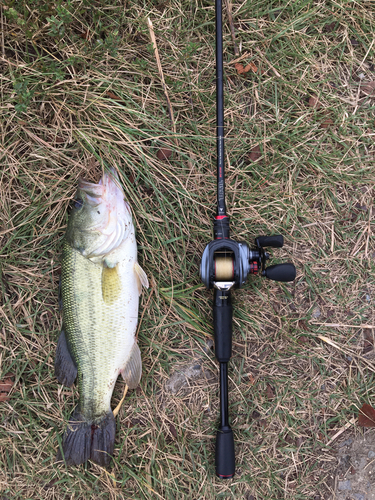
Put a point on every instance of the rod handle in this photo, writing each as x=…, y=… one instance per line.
x=222, y=312
x=225, y=462
x=280, y=272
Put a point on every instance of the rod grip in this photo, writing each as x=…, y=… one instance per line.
x=276, y=241
x=224, y=456
x=223, y=312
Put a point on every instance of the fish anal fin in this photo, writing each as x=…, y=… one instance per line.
x=111, y=284
x=132, y=370
x=65, y=368
x=141, y=277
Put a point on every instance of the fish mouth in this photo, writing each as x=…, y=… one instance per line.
x=94, y=192
x=108, y=196
x=108, y=187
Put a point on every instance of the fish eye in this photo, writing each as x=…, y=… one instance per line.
x=78, y=203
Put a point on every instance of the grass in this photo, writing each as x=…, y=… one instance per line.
x=80, y=91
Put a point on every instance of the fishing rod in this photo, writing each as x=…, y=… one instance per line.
x=225, y=265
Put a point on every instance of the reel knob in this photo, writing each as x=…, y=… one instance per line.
x=280, y=272
x=275, y=241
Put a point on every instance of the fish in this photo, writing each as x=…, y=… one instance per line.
x=101, y=282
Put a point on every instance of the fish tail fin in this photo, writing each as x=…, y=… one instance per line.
x=84, y=440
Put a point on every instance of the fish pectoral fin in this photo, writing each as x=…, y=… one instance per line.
x=132, y=370
x=141, y=277
x=111, y=284
x=65, y=368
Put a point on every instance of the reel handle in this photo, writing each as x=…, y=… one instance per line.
x=275, y=241
x=280, y=272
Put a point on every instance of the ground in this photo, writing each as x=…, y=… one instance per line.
x=355, y=474
x=82, y=89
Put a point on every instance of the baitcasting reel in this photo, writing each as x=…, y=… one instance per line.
x=227, y=263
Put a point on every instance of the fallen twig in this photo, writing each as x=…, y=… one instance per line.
x=342, y=325
x=348, y=352
x=267, y=61
x=343, y=429
x=170, y=110
x=231, y=24
x=239, y=59
x=117, y=409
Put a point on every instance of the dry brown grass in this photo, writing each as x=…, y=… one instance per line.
x=75, y=103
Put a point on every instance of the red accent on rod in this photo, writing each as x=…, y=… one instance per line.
x=220, y=217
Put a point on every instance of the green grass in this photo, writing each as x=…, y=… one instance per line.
x=61, y=66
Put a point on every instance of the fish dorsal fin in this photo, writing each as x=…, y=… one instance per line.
x=141, y=277
x=111, y=284
x=132, y=370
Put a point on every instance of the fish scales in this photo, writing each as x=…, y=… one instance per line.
x=100, y=335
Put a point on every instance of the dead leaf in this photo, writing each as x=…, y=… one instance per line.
x=164, y=153
x=50, y=484
x=327, y=122
x=303, y=339
x=361, y=207
x=113, y=96
x=85, y=35
x=299, y=441
x=368, y=340
x=368, y=88
x=302, y=325
x=263, y=423
x=250, y=66
x=270, y=393
x=55, y=139
x=255, y=153
x=172, y=428
x=251, y=379
x=314, y=102
x=366, y=416
x=240, y=69
x=5, y=386
x=328, y=28
x=289, y=439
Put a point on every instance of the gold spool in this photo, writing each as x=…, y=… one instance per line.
x=224, y=268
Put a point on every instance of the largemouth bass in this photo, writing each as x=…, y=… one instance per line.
x=101, y=281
